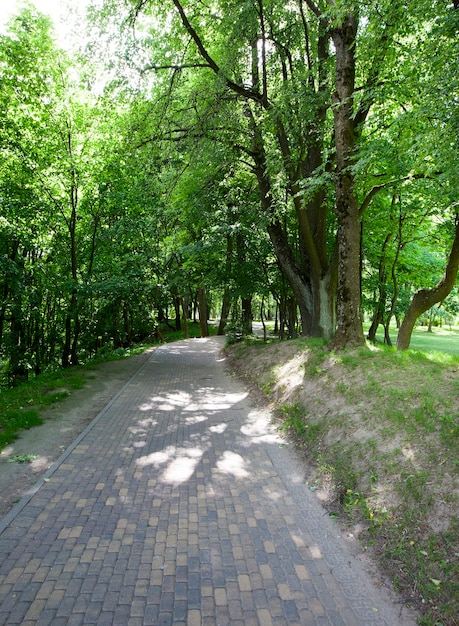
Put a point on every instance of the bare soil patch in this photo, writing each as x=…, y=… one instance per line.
x=63, y=422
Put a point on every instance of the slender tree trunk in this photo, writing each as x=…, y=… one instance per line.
x=76, y=334
x=292, y=318
x=226, y=308
x=2, y=317
x=17, y=370
x=378, y=317
x=67, y=341
x=226, y=304
x=262, y=317
x=72, y=330
x=185, y=318
x=177, y=300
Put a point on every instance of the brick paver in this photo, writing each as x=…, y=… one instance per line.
x=179, y=505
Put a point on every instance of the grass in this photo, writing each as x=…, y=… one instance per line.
x=381, y=428
x=443, y=340
x=22, y=458
x=20, y=406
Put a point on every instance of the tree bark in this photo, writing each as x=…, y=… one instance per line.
x=185, y=318
x=426, y=298
x=378, y=316
x=247, y=317
x=177, y=300
x=349, y=316
x=202, y=305
x=286, y=259
x=226, y=308
x=311, y=280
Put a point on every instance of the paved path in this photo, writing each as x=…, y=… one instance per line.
x=178, y=505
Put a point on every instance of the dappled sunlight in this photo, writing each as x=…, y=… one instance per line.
x=168, y=401
x=139, y=444
x=408, y=453
x=275, y=496
x=218, y=428
x=298, y=541
x=146, y=406
x=291, y=374
x=156, y=459
x=7, y=451
x=258, y=429
x=180, y=463
x=316, y=552
x=232, y=463
x=195, y=419
x=211, y=399
x=147, y=422
x=40, y=464
x=142, y=426
x=181, y=469
x=202, y=399
x=201, y=412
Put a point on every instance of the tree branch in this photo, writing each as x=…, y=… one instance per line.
x=314, y=8
x=424, y=299
x=371, y=194
x=239, y=89
x=176, y=67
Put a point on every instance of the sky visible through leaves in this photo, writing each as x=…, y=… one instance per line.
x=63, y=13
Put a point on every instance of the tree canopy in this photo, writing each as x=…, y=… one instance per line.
x=224, y=153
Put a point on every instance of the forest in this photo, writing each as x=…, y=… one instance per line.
x=293, y=160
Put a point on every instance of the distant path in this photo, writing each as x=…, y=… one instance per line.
x=178, y=505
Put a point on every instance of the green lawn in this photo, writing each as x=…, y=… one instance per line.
x=439, y=340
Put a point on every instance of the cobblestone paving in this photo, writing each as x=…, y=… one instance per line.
x=179, y=505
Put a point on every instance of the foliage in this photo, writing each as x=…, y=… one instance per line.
x=21, y=405
x=120, y=199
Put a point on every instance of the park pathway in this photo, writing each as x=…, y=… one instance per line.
x=180, y=505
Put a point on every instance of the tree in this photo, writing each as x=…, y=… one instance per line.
x=60, y=197
x=27, y=97
x=424, y=299
x=282, y=56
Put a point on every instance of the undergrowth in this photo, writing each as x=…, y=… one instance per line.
x=20, y=406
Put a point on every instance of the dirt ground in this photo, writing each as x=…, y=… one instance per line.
x=63, y=422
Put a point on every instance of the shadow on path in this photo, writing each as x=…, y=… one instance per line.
x=180, y=505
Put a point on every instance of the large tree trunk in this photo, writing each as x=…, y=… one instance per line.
x=314, y=290
x=202, y=305
x=247, y=317
x=293, y=274
x=426, y=298
x=349, y=316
